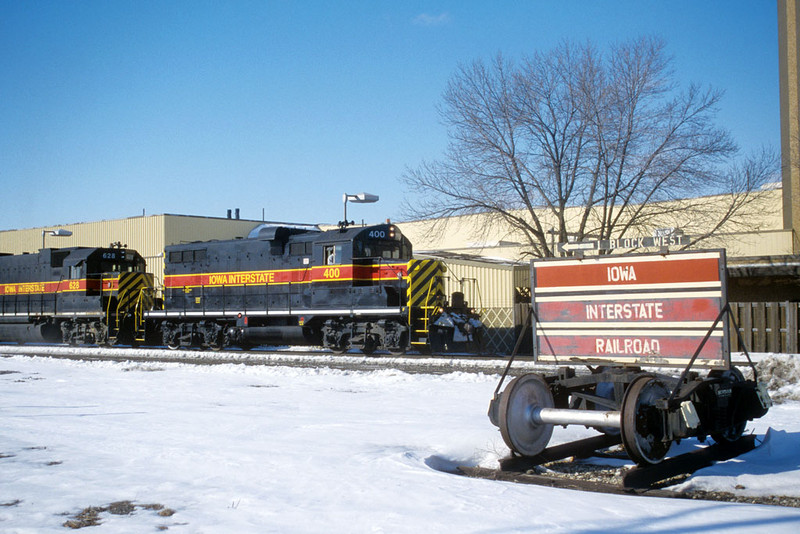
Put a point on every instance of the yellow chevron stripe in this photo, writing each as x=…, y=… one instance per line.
x=135, y=288
x=425, y=282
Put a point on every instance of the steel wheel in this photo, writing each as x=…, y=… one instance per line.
x=518, y=429
x=402, y=346
x=643, y=424
x=735, y=431
x=371, y=343
x=342, y=346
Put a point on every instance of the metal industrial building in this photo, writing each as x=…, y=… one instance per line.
x=146, y=234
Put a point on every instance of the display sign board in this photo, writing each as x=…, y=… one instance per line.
x=644, y=309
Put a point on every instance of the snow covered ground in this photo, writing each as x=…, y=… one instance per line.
x=238, y=448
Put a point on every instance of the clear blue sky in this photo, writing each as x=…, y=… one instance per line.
x=108, y=108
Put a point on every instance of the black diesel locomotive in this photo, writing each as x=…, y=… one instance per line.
x=74, y=295
x=353, y=287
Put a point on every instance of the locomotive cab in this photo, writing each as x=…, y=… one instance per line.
x=360, y=268
x=363, y=273
x=372, y=245
x=382, y=246
x=111, y=286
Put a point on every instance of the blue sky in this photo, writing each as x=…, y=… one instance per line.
x=279, y=107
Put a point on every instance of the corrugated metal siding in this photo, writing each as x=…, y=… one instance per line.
x=484, y=285
x=186, y=229
x=490, y=288
x=145, y=234
x=148, y=235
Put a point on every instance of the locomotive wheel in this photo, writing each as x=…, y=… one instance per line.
x=642, y=422
x=401, y=349
x=735, y=431
x=520, y=397
x=371, y=343
x=213, y=336
x=342, y=346
x=172, y=341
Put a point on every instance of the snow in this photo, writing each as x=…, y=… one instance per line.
x=257, y=448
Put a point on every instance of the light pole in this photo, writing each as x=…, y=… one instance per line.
x=360, y=198
x=57, y=233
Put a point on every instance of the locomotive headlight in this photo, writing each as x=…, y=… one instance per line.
x=391, y=232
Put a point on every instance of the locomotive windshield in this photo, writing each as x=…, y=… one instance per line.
x=117, y=261
x=384, y=242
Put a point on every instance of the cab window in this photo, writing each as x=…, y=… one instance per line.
x=332, y=254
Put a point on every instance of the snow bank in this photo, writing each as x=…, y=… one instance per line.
x=781, y=373
x=252, y=449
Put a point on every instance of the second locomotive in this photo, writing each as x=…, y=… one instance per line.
x=353, y=287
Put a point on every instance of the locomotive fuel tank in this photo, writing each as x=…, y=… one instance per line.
x=27, y=332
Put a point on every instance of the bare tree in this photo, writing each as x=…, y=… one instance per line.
x=579, y=143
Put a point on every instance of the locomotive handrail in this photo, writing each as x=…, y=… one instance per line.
x=56, y=294
x=138, y=310
x=138, y=302
x=107, y=318
x=426, y=308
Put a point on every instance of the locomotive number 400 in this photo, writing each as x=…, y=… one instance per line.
x=332, y=272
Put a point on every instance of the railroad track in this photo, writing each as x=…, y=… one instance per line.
x=411, y=363
x=556, y=467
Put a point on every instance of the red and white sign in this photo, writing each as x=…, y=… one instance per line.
x=648, y=309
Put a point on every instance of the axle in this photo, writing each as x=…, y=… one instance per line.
x=562, y=416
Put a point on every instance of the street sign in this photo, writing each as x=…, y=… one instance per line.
x=643, y=309
x=627, y=242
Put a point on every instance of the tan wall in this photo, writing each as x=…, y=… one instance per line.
x=186, y=229
x=147, y=235
x=484, y=285
x=761, y=235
